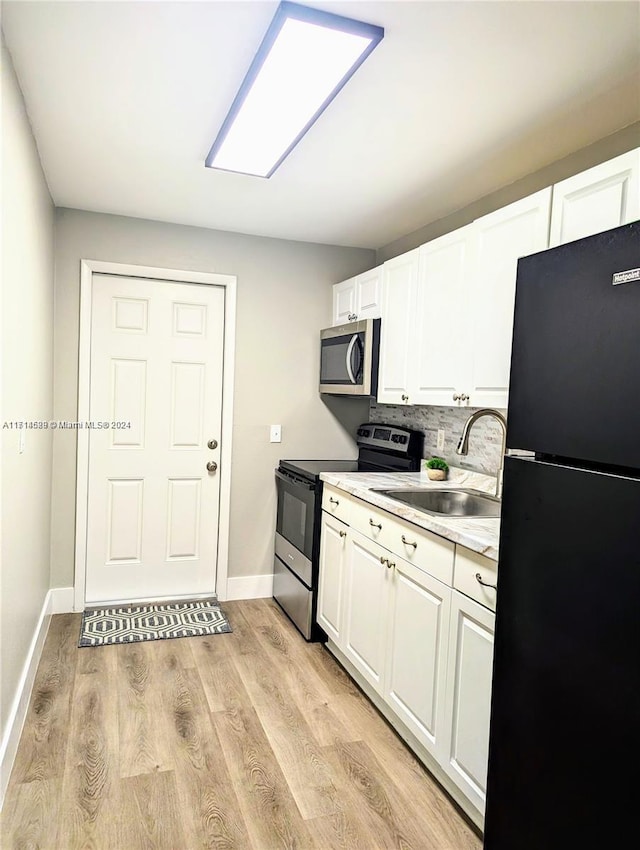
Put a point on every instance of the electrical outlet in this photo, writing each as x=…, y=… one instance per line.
x=441, y=436
x=276, y=434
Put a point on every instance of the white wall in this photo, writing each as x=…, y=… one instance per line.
x=27, y=352
x=284, y=298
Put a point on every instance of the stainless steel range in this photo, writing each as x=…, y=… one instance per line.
x=381, y=448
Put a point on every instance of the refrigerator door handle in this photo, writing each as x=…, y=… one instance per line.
x=485, y=583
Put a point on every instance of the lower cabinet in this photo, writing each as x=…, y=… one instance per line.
x=468, y=696
x=367, y=592
x=331, y=587
x=417, y=644
x=423, y=647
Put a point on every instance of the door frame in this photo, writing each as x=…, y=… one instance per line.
x=87, y=270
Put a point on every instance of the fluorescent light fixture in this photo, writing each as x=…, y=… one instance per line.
x=304, y=60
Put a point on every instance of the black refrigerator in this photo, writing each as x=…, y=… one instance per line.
x=564, y=742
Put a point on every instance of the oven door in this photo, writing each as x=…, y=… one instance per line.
x=294, y=522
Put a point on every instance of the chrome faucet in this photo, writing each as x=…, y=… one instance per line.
x=463, y=444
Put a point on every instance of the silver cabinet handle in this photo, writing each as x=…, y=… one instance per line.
x=409, y=542
x=343, y=534
x=212, y=444
x=484, y=583
x=456, y=397
x=390, y=564
x=405, y=397
x=464, y=397
x=334, y=501
x=375, y=524
x=212, y=466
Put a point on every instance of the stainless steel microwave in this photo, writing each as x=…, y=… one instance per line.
x=349, y=358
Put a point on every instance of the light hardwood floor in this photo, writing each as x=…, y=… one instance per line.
x=254, y=740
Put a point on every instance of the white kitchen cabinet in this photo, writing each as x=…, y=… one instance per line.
x=500, y=238
x=468, y=696
x=344, y=301
x=358, y=297
x=333, y=554
x=366, y=605
x=443, y=355
x=416, y=651
x=446, y=338
x=397, y=334
x=417, y=634
x=597, y=199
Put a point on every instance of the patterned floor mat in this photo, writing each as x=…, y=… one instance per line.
x=102, y=626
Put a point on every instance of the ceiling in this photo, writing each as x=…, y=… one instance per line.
x=459, y=99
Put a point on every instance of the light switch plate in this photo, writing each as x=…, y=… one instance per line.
x=276, y=434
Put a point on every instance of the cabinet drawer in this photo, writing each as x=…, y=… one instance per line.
x=336, y=502
x=468, y=567
x=425, y=550
x=372, y=522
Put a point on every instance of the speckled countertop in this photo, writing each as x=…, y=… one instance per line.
x=478, y=533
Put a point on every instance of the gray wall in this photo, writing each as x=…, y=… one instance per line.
x=284, y=297
x=27, y=330
x=620, y=142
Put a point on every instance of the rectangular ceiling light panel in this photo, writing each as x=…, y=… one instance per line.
x=305, y=58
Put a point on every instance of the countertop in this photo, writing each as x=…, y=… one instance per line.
x=481, y=534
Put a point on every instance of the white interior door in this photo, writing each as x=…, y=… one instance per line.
x=156, y=381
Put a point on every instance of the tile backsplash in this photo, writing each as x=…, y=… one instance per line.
x=485, y=440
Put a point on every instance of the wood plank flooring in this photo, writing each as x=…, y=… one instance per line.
x=253, y=740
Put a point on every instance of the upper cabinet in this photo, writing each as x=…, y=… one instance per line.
x=597, y=199
x=397, y=333
x=443, y=357
x=448, y=310
x=359, y=297
x=447, y=307
x=500, y=238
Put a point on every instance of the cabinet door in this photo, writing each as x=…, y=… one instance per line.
x=442, y=365
x=367, y=597
x=344, y=301
x=397, y=335
x=333, y=549
x=501, y=238
x=468, y=696
x=597, y=199
x=369, y=294
x=418, y=638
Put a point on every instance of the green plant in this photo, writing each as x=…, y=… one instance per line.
x=437, y=463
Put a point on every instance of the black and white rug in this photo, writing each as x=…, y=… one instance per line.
x=103, y=626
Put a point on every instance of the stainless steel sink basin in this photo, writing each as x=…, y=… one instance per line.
x=450, y=503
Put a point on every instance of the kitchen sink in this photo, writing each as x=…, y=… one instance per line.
x=450, y=503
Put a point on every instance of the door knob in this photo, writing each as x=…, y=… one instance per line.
x=212, y=466
x=213, y=444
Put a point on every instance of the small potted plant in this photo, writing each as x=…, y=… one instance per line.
x=437, y=469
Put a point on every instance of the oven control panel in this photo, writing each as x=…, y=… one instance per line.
x=390, y=438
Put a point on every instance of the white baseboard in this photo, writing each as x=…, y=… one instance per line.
x=20, y=705
x=61, y=600
x=249, y=587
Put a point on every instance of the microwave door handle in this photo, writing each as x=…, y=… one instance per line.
x=352, y=344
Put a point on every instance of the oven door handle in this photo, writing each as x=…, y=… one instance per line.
x=295, y=482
